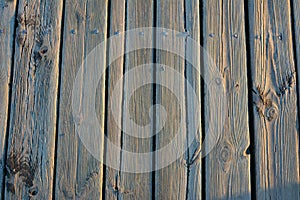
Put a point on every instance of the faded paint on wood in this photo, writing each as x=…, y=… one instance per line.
x=171, y=181
x=275, y=100
x=227, y=168
x=79, y=174
x=115, y=73
x=31, y=145
x=7, y=27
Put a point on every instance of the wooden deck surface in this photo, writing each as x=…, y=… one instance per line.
x=255, y=45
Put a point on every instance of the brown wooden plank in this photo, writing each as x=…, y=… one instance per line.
x=171, y=181
x=137, y=185
x=79, y=174
x=7, y=24
x=115, y=73
x=227, y=166
x=192, y=16
x=275, y=100
x=30, y=157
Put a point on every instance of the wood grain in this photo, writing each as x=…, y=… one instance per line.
x=79, y=174
x=31, y=145
x=275, y=100
x=115, y=73
x=227, y=168
x=7, y=27
x=138, y=185
x=192, y=21
x=296, y=40
x=171, y=181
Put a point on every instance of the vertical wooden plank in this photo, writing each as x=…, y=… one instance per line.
x=138, y=185
x=171, y=181
x=30, y=157
x=115, y=73
x=275, y=100
x=7, y=25
x=79, y=174
x=296, y=12
x=192, y=15
x=227, y=166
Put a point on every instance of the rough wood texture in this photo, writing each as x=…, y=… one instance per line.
x=138, y=185
x=275, y=100
x=192, y=17
x=7, y=24
x=296, y=40
x=79, y=174
x=115, y=73
x=171, y=181
x=227, y=166
x=31, y=145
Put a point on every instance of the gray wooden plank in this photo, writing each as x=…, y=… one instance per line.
x=31, y=145
x=275, y=100
x=296, y=9
x=115, y=73
x=79, y=174
x=7, y=24
x=192, y=17
x=137, y=185
x=227, y=165
x=171, y=181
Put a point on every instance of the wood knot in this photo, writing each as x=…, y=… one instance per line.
x=218, y=81
x=43, y=51
x=33, y=191
x=271, y=113
x=225, y=154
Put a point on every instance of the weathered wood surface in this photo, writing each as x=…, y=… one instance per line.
x=31, y=145
x=79, y=174
x=296, y=40
x=115, y=73
x=138, y=185
x=227, y=166
x=192, y=22
x=7, y=24
x=276, y=125
x=171, y=181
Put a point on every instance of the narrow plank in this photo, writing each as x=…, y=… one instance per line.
x=192, y=21
x=275, y=100
x=227, y=165
x=296, y=9
x=79, y=173
x=31, y=145
x=115, y=73
x=137, y=185
x=171, y=181
x=7, y=24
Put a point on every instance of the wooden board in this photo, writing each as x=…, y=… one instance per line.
x=192, y=21
x=31, y=145
x=115, y=73
x=137, y=185
x=7, y=28
x=171, y=181
x=79, y=174
x=296, y=39
x=227, y=167
x=275, y=100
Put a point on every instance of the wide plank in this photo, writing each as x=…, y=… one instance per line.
x=275, y=110
x=32, y=130
x=170, y=181
x=78, y=170
x=227, y=166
